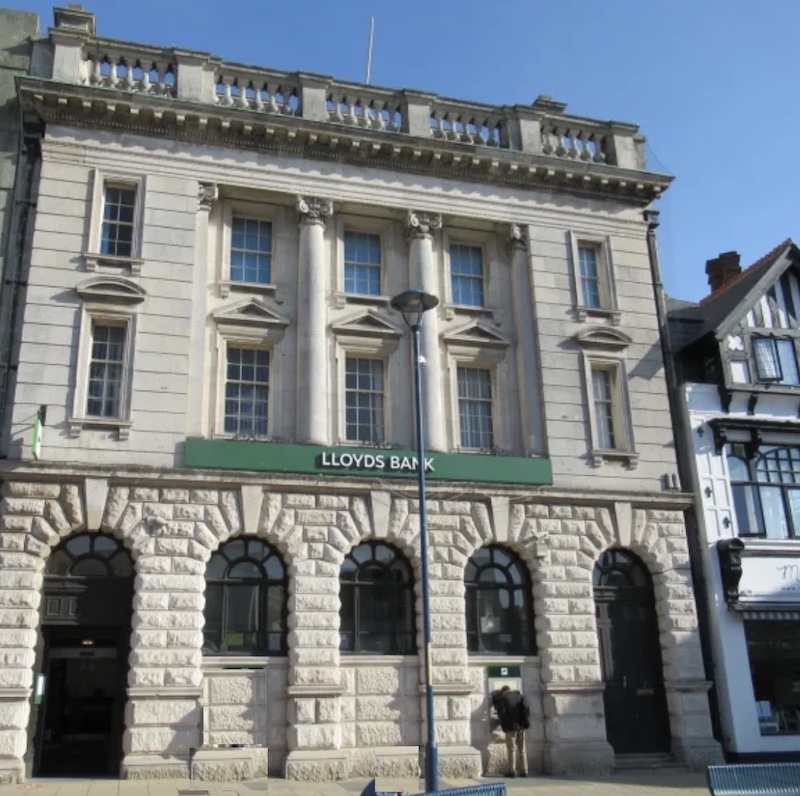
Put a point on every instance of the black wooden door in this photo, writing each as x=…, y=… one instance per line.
x=637, y=721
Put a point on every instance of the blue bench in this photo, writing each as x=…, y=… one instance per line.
x=486, y=789
x=754, y=779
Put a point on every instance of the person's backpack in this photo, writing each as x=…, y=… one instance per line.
x=524, y=713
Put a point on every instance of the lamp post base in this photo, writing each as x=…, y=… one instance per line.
x=431, y=767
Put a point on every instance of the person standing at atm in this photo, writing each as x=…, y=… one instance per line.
x=515, y=718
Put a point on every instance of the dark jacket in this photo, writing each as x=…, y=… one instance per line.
x=512, y=710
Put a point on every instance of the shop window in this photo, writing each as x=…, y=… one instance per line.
x=766, y=491
x=245, y=610
x=773, y=647
x=377, y=594
x=498, y=596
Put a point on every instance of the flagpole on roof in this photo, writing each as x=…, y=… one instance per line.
x=369, y=47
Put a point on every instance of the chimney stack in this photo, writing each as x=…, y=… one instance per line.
x=723, y=269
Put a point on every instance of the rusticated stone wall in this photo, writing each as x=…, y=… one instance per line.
x=324, y=714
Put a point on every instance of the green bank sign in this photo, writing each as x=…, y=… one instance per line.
x=273, y=457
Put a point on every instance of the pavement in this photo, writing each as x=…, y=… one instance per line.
x=669, y=782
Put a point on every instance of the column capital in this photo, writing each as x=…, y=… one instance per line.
x=420, y=224
x=313, y=210
x=517, y=239
x=207, y=194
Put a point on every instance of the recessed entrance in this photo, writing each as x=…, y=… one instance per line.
x=635, y=703
x=82, y=664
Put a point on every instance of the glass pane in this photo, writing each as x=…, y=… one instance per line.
x=245, y=569
x=274, y=567
x=775, y=521
x=212, y=632
x=216, y=566
x=79, y=545
x=121, y=565
x=58, y=563
x=90, y=568
x=233, y=550
x=242, y=620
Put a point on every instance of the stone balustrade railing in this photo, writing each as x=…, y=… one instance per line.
x=469, y=124
x=541, y=128
x=150, y=72
x=258, y=90
x=364, y=106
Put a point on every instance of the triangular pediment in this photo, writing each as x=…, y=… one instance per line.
x=605, y=337
x=250, y=313
x=112, y=289
x=368, y=323
x=477, y=333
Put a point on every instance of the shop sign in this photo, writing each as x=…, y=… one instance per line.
x=770, y=578
x=279, y=457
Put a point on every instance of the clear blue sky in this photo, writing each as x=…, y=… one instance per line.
x=713, y=84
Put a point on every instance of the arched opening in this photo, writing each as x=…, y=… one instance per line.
x=80, y=685
x=635, y=703
x=377, y=601
x=246, y=589
x=498, y=603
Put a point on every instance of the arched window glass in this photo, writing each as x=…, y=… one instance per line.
x=377, y=595
x=89, y=555
x=499, y=605
x=245, y=600
x=619, y=569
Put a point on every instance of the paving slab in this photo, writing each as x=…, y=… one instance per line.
x=628, y=783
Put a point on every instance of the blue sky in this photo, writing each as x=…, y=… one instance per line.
x=713, y=84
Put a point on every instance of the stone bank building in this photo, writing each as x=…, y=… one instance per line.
x=209, y=557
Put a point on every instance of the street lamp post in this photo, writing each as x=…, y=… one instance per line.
x=413, y=304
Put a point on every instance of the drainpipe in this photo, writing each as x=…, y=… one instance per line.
x=17, y=234
x=687, y=466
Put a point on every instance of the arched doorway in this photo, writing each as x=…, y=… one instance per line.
x=83, y=663
x=635, y=703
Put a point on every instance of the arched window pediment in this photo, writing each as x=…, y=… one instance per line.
x=604, y=338
x=111, y=290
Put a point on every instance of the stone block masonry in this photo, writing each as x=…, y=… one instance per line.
x=326, y=714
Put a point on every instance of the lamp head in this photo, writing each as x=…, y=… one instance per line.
x=413, y=304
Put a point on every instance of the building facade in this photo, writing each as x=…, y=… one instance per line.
x=737, y=356
x=210, y=552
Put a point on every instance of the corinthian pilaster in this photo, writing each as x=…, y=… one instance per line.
x=421, y=227
x=311, y=340
x=525, y=332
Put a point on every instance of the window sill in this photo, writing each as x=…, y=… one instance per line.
x=236, y=661
x=614, y=315
x=599, y=457
x=94, y=262
x=341, y=300
x=755, y=545
x=451, y=310
x=226, y=286
x=78, y=424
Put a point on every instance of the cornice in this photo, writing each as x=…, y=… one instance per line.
x=195, y=123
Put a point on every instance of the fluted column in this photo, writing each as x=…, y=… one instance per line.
x=423, y=268
x=312, y=357
x=525, y=332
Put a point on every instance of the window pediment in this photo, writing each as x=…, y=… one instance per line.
x=477, y=334
x=603, y=337
x=111, y=289
x=367, y=324
x=250, y=313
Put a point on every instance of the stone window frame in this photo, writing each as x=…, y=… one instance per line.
x=491, y=356
x=111, y=301
x=609, y=300
x=275, y=214
x=490, y=258
x=384, y=229
x=381, y=344
x=604, y=347
x=263, y=332
x=93, y=260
